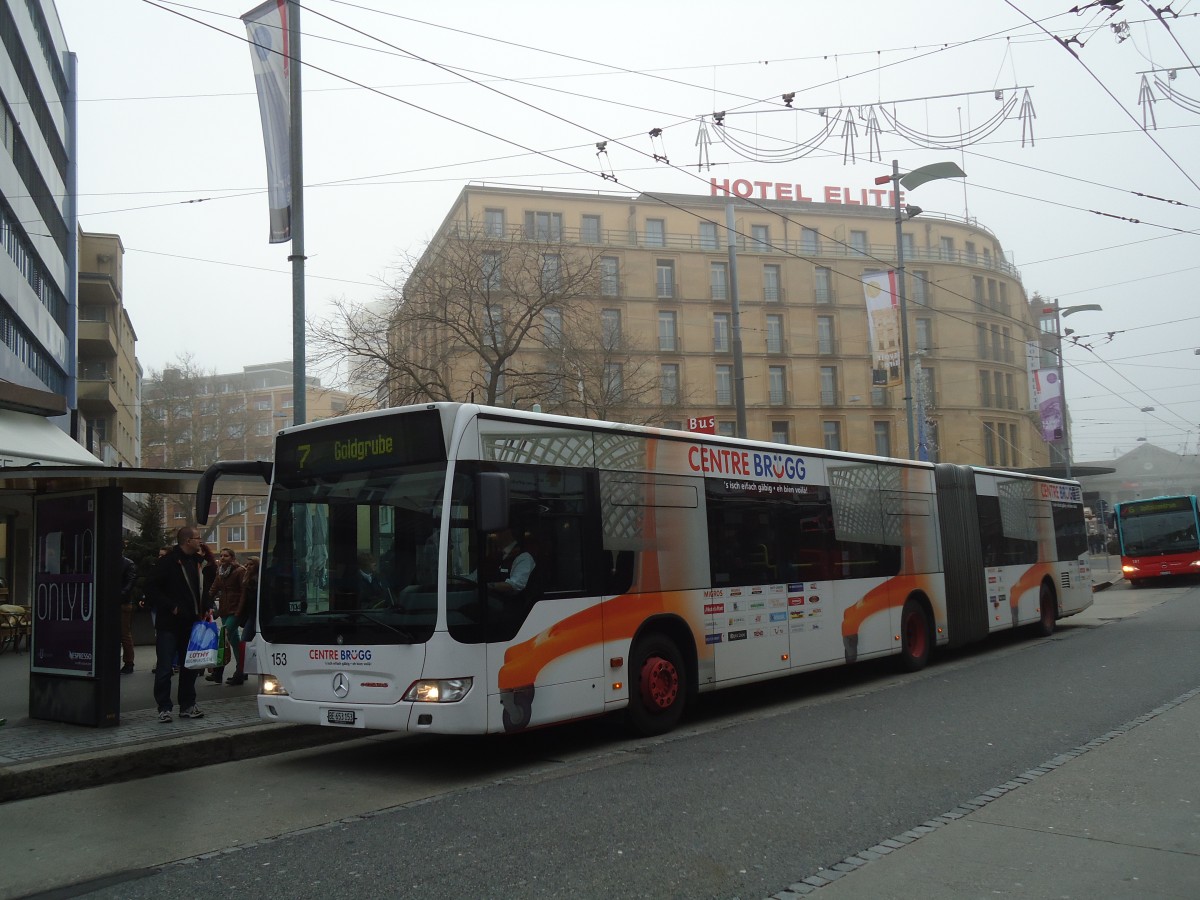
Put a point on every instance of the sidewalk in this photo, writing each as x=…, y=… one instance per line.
x=39, y=757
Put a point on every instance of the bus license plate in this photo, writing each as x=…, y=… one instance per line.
x=340, y=716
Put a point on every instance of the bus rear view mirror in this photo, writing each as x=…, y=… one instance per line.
x=492, y=506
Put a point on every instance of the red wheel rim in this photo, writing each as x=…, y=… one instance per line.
x=660, y=683
x=916, y=635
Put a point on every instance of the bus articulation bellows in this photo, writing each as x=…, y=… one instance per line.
x=461, y=569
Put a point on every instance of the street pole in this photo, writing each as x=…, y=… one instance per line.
x=739, y=375
x=905, y=362
x=296, y=148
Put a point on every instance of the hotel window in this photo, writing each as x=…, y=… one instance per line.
x=883, y=438
x=1010, y=391
x=551, y=273
x=829, y=387
x=493, y=222
x=669, y=384
x=985, y=389
x=825, y=341
x=879, y=396
x=668, y=331
x=664, y=275
x=610, y=282
x=543, y=226
x=909, y=245
x=977, y=289
x=823, y=282
x=928, y=386
x=776, y=385
x=610, y=328
x=493, y=325
x=727, y=429
x=490, y=266
x=656, y=233
x=982, y=344
x=987, y=257
x=989, y=444
x=772, y=293
x=708, y=236
x=774, y=334
x=831, y=435
x=993, y=297
x=810, y=241
x=781, y=432
x=920, y=288
x=931, y=440
x=924, y=334
x=614, y=381
x=761, y=235
x=724, y=384
x=858, y=242
x=946, y=246
x=971, y=257
x=589, y=230
x=721, y=332
x=997, y=344
x=718, y=280
x=552, y=326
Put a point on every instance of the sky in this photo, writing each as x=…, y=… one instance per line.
x=1093, y=195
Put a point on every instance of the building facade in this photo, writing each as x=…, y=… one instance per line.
x=192, y=419
x=666, y=281
x=109, y=375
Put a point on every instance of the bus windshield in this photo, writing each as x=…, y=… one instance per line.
x=1159, y=533
x=352, y=556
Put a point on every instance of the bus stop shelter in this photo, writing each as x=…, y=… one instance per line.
x=66, y=547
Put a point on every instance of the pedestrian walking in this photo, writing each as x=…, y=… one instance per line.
x=128, y=583
x=246, y=617
x=226, y=595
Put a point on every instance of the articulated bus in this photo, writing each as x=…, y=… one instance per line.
x=1158, y=537
x=659, y=565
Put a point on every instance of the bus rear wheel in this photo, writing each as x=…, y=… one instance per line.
x=658, y=692
x=1048, y=604
x=916, y=642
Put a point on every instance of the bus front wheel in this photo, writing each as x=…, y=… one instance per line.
x=658, y=688
x=915, y=637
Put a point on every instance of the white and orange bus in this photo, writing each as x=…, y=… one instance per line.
x=658, y=565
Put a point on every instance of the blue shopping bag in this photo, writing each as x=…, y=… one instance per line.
x=202, y=648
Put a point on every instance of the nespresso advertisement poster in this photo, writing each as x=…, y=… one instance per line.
x=64, y=586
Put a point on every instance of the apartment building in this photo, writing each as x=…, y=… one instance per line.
x=109, y=375
x=192, y=419
x=666, y=279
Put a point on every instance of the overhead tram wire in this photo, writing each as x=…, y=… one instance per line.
x=1106, y=90
x=548, y=156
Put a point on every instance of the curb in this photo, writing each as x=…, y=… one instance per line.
x=23, y=781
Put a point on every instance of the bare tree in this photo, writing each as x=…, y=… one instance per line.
x=598, y=369
x=502, y=320
x=191, y=418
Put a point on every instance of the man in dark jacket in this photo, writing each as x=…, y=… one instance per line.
x=128, y=583
x=176, y=589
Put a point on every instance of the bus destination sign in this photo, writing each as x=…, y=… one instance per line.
x=362, y=445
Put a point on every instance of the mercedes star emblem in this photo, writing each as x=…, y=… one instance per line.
x=341, y=685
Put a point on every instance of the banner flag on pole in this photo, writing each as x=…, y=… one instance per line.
x=267, y=27
x=883, y=327
x=1048, y=396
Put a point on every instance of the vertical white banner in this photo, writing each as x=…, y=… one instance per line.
x=883, y=328
x=267, y=27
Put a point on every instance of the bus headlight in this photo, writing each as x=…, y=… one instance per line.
x=1128, y=568
x=438, y=690
x=271, y=686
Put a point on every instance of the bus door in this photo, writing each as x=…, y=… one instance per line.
x=537, y=595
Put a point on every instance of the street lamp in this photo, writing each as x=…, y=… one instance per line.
x=1061, y=312
x=913, y=179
